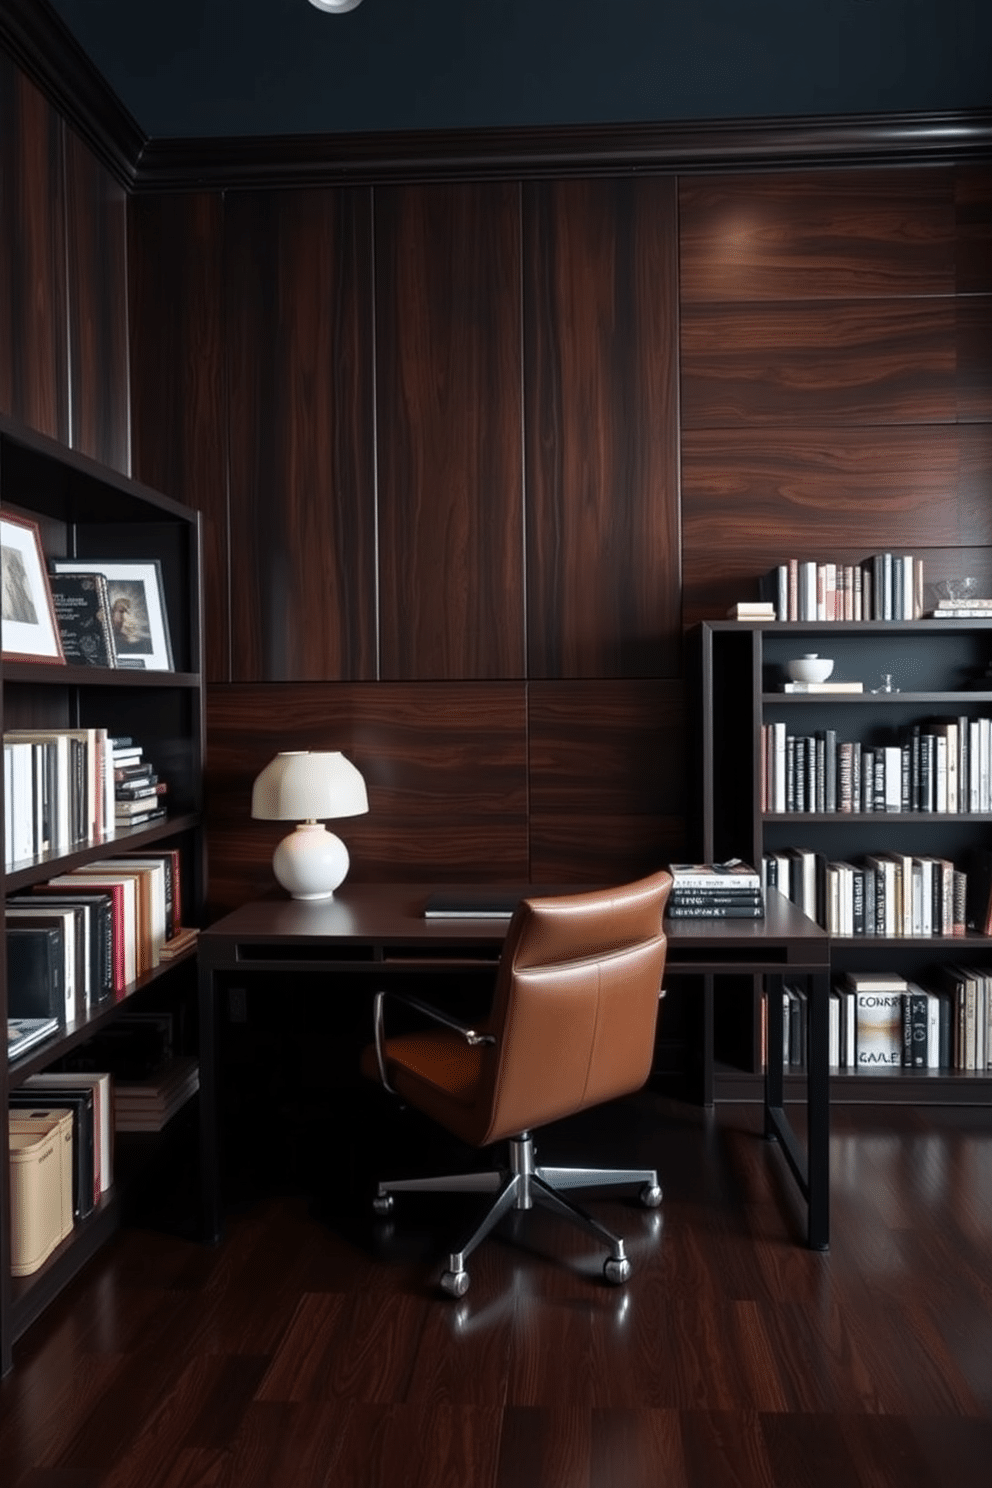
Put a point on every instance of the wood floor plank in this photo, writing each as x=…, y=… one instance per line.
x=281, y=1443
x=884, y=1451
x=637, y=1449
x=445, y=1446
x=808, y=1452
x=312, y=1349
x=545, y=1445
x=726, y=1449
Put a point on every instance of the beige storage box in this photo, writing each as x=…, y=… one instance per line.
x=40, y=1184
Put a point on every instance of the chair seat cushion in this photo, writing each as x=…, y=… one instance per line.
x=435, y=1071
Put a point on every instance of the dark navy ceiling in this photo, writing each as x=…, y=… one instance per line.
x=188, y=68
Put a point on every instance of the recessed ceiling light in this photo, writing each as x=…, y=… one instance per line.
x=336, y=7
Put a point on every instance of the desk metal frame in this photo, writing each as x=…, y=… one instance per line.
x=379, y=929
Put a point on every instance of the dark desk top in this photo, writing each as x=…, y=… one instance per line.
x=385, y=923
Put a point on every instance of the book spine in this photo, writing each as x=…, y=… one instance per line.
x=879, y=1030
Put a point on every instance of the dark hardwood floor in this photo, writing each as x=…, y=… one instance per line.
x=310, y=1349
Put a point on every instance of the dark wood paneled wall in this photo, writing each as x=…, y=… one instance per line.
x=34, y=362
x=96, y=242
x=600, y=417
x=836, y=373
x=472, y=455
x=448, y=378
x=601, y=410
x=63, y=280
x=301, y=448
x=453, y=469
x=445, y=764
x=179, y=390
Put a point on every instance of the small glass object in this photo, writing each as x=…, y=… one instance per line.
x=955, y=591
x=886, y=684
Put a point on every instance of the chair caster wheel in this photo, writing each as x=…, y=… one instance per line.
x=651, y=1195
x=383, y=1204
x=455, y=1283
x=616, y=1269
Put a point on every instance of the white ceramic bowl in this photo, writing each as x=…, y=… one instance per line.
x=809, y=668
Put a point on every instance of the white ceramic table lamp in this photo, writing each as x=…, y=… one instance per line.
x=309, y=788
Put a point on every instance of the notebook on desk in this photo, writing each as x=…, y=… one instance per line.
x=469, y=904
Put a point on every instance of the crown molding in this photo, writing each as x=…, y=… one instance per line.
x=39, y=42
x=445, y=155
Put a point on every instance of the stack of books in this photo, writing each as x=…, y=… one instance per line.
x=705, y=891
x=148, y=1104
x=962, y=609
x=752, y=609
x=138, y=792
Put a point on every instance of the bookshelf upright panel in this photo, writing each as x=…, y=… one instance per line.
x=917, y=677
x=83, y=512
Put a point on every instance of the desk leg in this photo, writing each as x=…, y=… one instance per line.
x=818, y=1113
x=708, y=1083
x=210, y=1206
x=774, y=1055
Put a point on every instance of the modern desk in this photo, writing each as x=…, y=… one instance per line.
x=380, y=930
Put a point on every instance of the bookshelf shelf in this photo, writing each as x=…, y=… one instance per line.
x=874, y=699
x=85, y=511
x=86, y=676
x=942, y=668
x=890, y=818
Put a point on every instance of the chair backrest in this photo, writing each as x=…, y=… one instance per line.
x=576, y=1003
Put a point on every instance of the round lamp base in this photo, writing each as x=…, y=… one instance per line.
x=311, y=862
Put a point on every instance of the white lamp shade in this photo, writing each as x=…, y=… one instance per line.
x=308, y=786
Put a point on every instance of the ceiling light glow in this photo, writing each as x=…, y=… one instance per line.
x=336, y=7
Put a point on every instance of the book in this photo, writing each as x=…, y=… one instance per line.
x=470, y=904
x=148, y=1104
x=140, y=790
x=24, y=1034
x=98, y=908
x=82, y=610
x=35, y=969
x=879, y=1033
x=171, y=861
x=179, y=942
x=103, y=1115
x=874, y=981
x=773, y=588
x=130, y=808
x=75, y=952
x=714, y=911
x=149, y=899
x=141, y=819
x=751, y=610
x=818, y=687
x=122, y=896
x=978, y=894
x=79, y=780
x=916, y=1026
x=705, y=876
x=715, y=896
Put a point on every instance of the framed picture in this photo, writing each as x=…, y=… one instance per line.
x=138, y=623
x=30, y=630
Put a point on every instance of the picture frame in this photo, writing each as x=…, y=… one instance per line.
x=30, y=629
x=136, y=596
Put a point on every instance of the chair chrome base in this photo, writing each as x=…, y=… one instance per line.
x=521, y=1186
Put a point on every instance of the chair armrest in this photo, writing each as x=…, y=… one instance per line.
x=469, y=1035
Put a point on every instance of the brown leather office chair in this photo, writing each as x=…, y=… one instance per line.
x=572, y=1025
